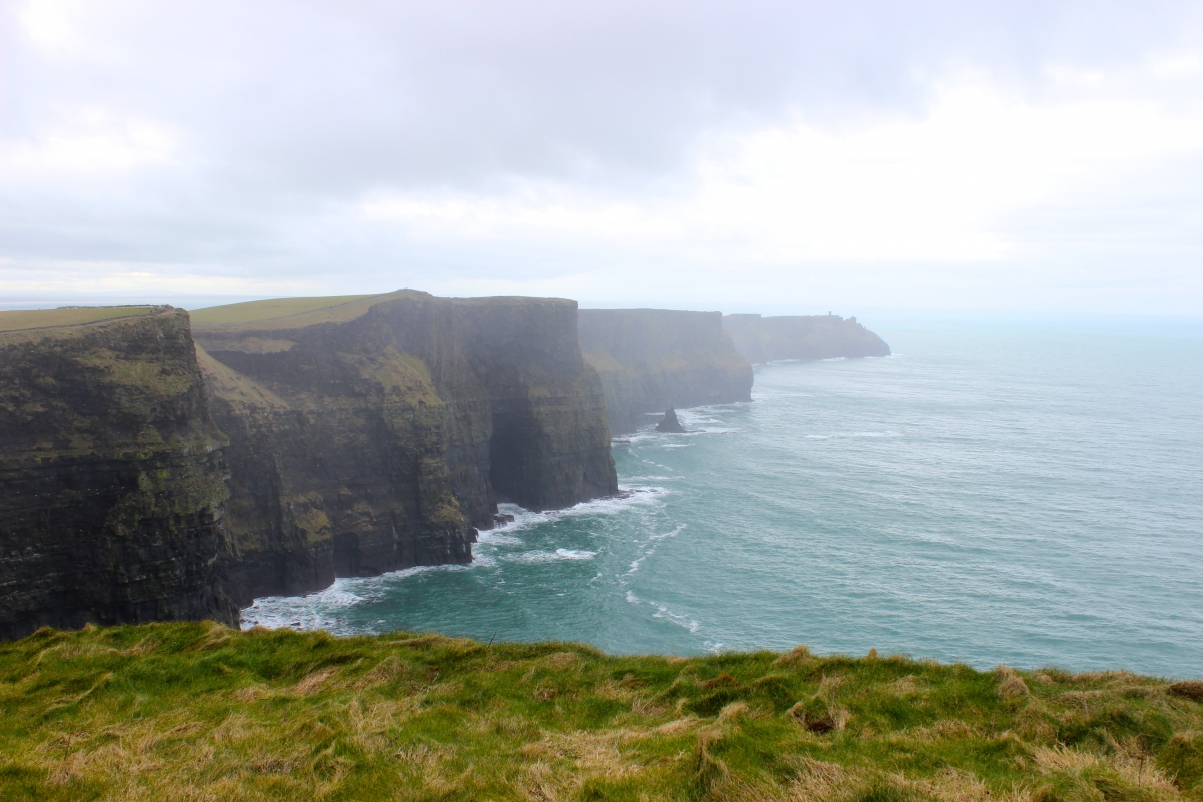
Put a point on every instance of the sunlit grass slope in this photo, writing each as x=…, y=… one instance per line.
x=200, y=712
x=290, y=313
x=252, y=311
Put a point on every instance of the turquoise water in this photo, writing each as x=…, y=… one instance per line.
x=1001, y=493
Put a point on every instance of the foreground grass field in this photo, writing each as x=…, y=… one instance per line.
x=201, y=712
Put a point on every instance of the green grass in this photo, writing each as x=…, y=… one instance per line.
x=19, y=320
x=200, y=712
x=254, y=311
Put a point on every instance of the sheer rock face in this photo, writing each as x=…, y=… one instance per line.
x=111, y=476
x=650, y=359
x=374, y=434
x=765, y=339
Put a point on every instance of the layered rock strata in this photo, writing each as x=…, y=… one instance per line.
x=650, y=359
x=112, y=482
x=374, y=433
x=765, y=339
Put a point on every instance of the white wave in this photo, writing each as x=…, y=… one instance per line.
x=313, y=611
x=632, y=598
x=635, y=565
x=684, y=621
x=851, y=434
x=658, y=465
x=322, y=609
x=630, y=495
x=537, y=556
x=676, y=445
x=575, y=554
x=491, y=537
x=667, y=535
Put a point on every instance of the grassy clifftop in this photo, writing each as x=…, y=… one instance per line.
x=197, y=711
x=21, y=320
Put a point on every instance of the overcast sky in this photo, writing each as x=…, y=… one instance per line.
x=1002, y=156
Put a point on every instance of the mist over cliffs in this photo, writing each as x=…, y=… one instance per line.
x=652, y=359
x=765, y=339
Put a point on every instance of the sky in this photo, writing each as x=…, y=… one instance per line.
x=1032, y=157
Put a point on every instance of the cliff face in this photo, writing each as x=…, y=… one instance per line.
x=374, y=433
x=764, y=339
x=111, y=473
x=651, y=359
x=550, y=442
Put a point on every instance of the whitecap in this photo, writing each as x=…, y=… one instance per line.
x=538, y=556
x=629, y=495
x=635, y=565
x=491, y=537
x=683, y=621
x=321, y=609
x=851, y=434
x=667, y=535
x=575, y=554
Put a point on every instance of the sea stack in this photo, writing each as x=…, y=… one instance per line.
x=669, y=423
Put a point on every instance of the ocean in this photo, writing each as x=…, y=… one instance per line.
x=1014, y=492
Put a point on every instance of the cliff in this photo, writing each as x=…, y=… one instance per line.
x=765, y=339
x=111, y=473
x=373, y=433
x=651, y=359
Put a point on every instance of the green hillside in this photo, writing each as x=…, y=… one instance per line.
x=201, y=712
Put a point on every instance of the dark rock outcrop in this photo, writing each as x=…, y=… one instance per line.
x=669, y=423
x=112, y=483
x=649, y=359
x=764, y=339
x=370, y=434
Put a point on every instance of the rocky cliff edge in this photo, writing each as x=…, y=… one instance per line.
x=111, y=474
x=373, y=433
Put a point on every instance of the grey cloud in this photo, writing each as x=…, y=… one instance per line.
x=288, y=110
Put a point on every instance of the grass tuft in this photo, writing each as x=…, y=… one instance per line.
x=197, y=711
